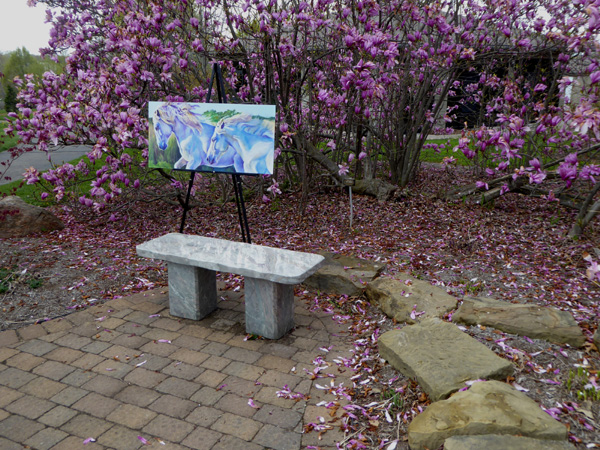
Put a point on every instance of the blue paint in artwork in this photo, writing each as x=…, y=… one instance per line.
x=243, y=142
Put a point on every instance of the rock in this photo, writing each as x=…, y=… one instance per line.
x=18, y=218
x=375, y=188
x=488, y=407
x=525, y=320
x=440, y=357
x=344, y=275
x=597, y=338
x=499, y=442
x=397, y=299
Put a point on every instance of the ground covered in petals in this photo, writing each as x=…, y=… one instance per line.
x=513, y=251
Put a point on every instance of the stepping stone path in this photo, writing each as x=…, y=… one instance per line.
x=344, y=275
x=440, y=357
x=499, y=442
x=401, y=297
x=490, y=415
x=488, y=407
x=525, y=320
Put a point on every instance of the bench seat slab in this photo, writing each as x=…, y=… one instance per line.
x=269, y=307
x=192, y=291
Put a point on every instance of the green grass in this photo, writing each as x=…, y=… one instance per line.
x=433, y=156
x=5, y=141
x=29, y=193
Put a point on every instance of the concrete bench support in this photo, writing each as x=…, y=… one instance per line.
x=269, y=307
x=192, y=291
x=270, y=275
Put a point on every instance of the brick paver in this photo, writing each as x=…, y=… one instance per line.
x=96, y=405
x=131, y=416
x=24, y=361
x=57, y=416
x=43, y=388
x=105, y=385
x=169, y=428
x=137, y=395
x=201, y=438
x=172, y=406
x=238, y=426
x=18, y=428
x=30, y=407
x=46, y=438
x=176, y=383
x=278, y=438
x=15, y=378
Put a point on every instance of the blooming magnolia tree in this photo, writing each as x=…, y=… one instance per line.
x=355, y=83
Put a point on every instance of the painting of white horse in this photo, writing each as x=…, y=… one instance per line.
x=212, y=137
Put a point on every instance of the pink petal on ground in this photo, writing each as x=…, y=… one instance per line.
x=88, y=440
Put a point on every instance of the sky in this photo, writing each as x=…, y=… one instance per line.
x=22, y=26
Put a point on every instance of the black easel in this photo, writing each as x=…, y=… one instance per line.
x=237, y=180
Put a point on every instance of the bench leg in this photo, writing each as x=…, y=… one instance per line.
x=192, y=291
x=269, y=308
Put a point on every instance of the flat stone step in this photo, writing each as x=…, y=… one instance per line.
x=533, y=321
x=500, y=442
x=440, y=357
x=343, y=274
x=399, y=297
x=488, y=407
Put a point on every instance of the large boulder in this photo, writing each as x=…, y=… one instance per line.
x=440, y=357
x=18, y=218
x=503, y=442
x=488, y=407
x=344, y=275
x=399, y=297
x=533, y=321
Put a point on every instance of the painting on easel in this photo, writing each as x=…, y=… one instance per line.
x=212, y=137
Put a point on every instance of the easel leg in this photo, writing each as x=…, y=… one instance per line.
x=187, y=201
x=241, y=207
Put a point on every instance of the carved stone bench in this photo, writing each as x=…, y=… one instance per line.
x=269, y=278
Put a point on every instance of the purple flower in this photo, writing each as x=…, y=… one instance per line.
x=567, y=172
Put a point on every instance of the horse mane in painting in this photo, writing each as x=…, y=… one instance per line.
x=192, y=133
x=169, y=112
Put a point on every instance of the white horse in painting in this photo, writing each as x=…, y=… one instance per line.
x=191, y=129
x=243, y=137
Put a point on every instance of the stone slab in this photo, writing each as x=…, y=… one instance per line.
x=533, y=321
x=344, y=274
x=440, y=357
x=488, y=407
x=398, y=297
x=500, y=442
x=255, y=261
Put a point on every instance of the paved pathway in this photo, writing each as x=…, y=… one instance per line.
x=127, y=370
x=39, y=160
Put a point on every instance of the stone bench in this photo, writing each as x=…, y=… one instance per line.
x=269, y=278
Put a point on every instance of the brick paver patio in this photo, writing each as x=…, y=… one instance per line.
x=126, y=372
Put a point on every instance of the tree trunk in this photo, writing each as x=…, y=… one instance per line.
x=586, y=214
